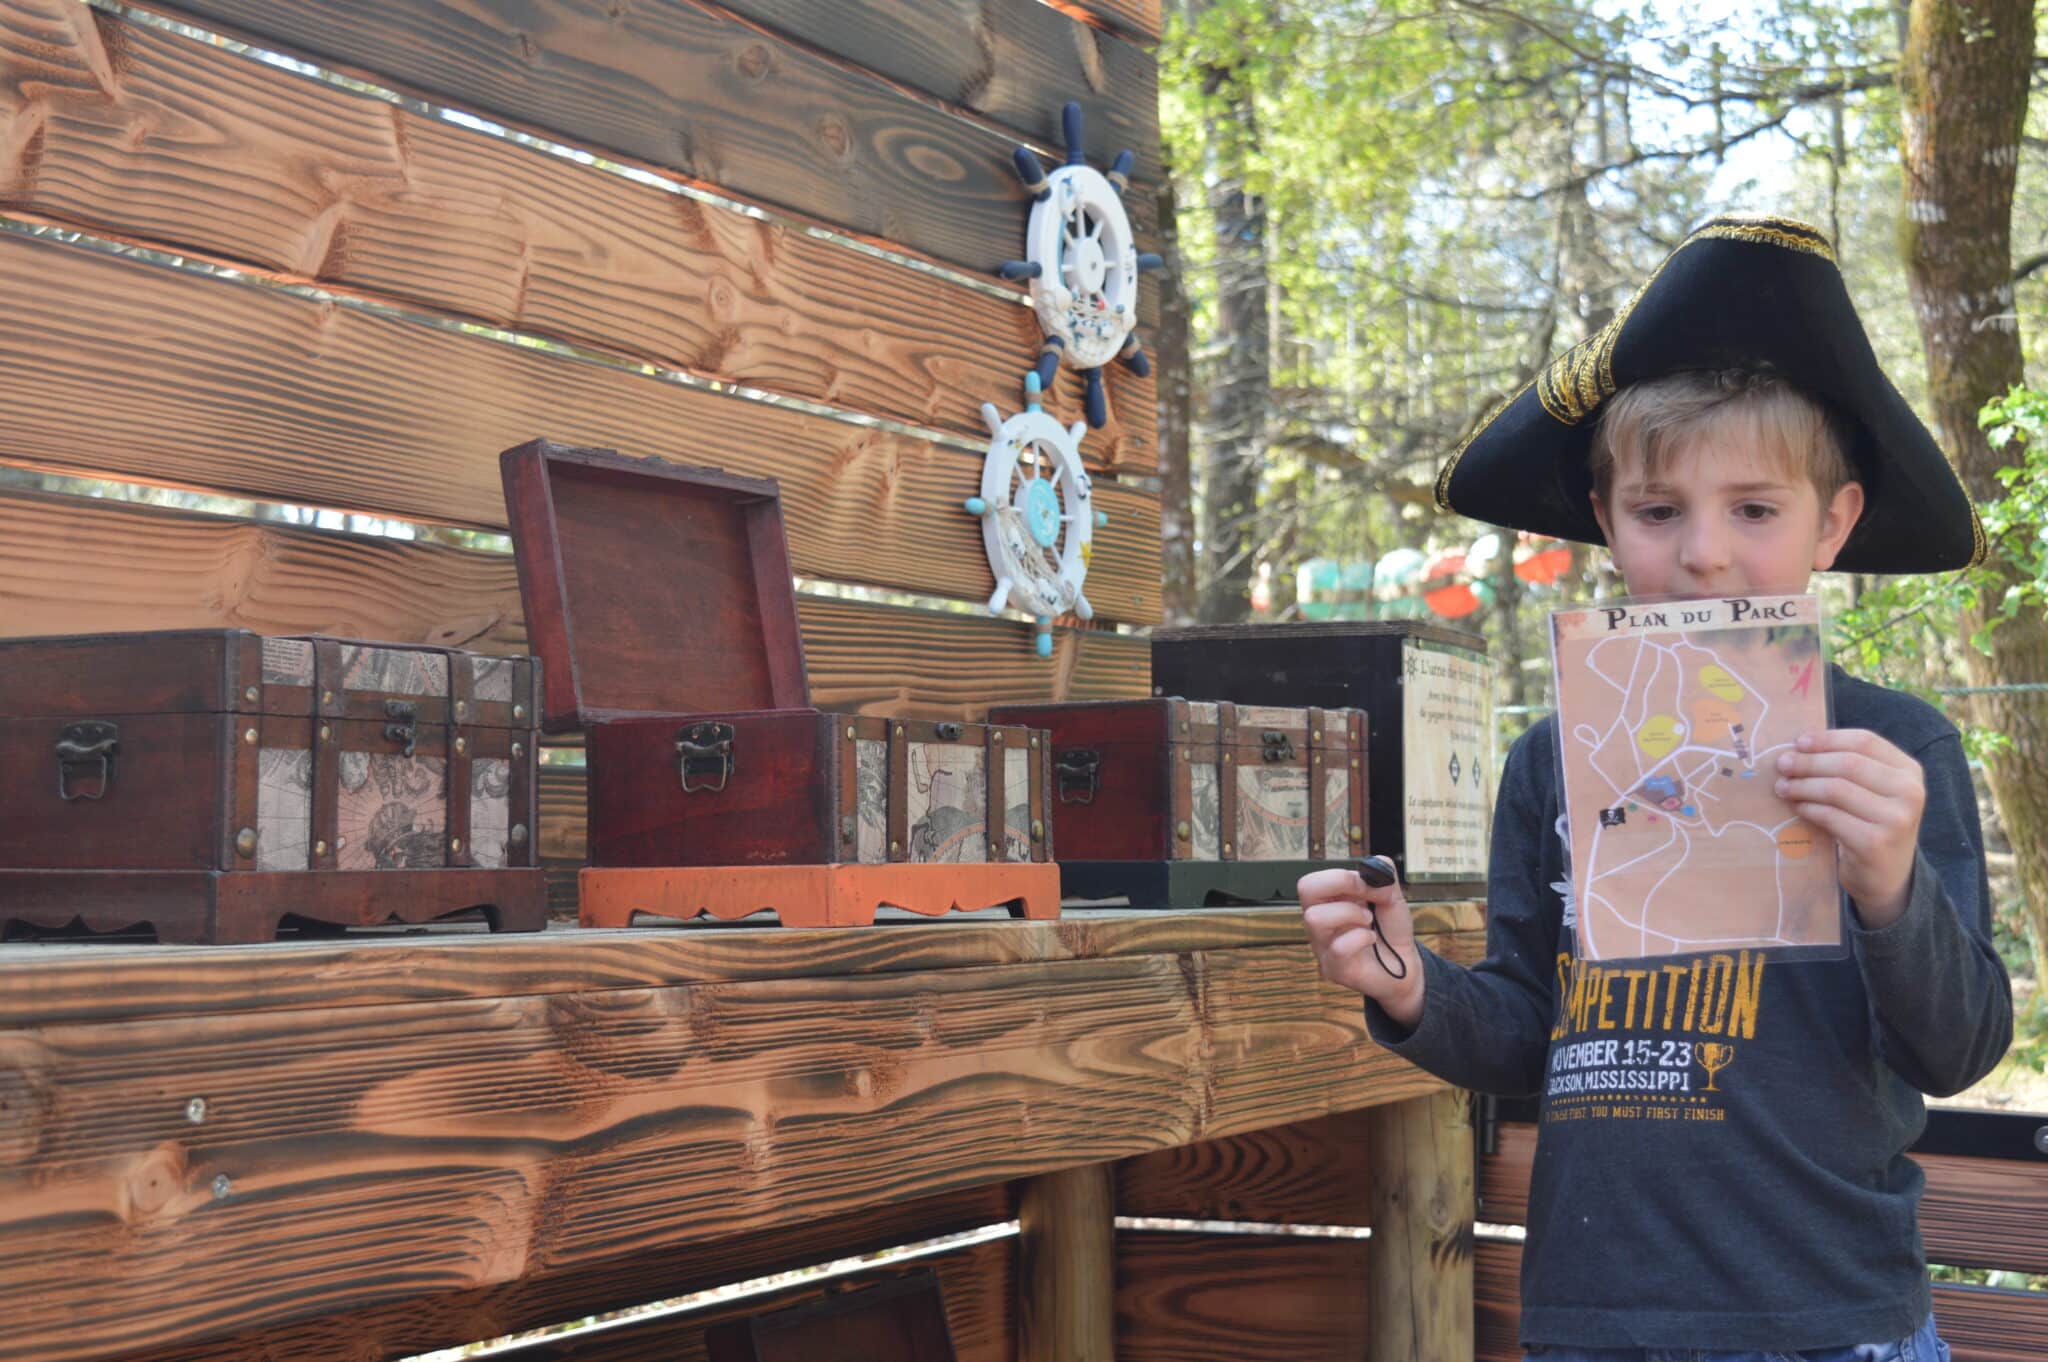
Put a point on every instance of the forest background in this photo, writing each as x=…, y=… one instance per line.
x=1385, y=215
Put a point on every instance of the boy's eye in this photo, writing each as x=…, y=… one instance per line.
x=1656, y=515
x=1756, y=511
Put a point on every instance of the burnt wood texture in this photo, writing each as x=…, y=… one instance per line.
x=902, y=1319
x=469, y=1139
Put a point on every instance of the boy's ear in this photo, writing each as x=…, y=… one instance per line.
x=1837, y=518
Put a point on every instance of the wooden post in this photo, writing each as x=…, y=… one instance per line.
x=1066, y=1267
x=1419, y=1274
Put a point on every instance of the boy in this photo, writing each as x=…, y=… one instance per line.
x=1729, y=432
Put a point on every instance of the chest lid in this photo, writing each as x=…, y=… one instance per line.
x=650, y=588
x=234, y=671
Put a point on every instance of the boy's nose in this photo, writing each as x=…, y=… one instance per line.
x=1703, y=551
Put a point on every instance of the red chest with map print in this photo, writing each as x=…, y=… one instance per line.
x=212, y=783
x=1171, y=803
x=661, y=600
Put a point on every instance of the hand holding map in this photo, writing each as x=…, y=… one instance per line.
x=1672, y=717
x=1868, y=795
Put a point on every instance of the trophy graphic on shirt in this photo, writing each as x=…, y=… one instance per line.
x=1714, y=1058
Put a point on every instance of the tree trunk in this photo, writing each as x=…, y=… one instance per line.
x=1238, y=395
x=1963, y=100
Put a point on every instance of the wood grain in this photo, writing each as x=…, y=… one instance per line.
x=1140, y=18
x=1420, y=1185
x=55, y=982
x=1233, y=1297
x=1066, y=1266
x=424, y=1148
x=79, y=565
x=975, y=1283
x=1308, y=1173
x=199, y=149
x=691, y=87
x=1015, y=62
x=1980, y=1324
x=124, y=369
x=408, y=1325
x=1974, y=1213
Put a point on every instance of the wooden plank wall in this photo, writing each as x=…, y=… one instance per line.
x=758, y=234
x=1976, y=1213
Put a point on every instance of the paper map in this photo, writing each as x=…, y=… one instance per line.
x=1671, y=716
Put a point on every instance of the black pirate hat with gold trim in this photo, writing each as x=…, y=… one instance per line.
x=1738, y=292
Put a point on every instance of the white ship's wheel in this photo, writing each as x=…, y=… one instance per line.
x=1037, y=517
x=1086, y=290
x=1083, y=262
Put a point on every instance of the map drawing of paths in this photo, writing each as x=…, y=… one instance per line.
x=1671, y=716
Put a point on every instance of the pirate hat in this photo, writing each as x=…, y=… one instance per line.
x=1739, y=292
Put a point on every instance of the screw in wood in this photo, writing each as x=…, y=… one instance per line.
x=340, y=842
x=1182, y=830
x=221, y=1186
x=245, y=842
x=252, y=695
x=519, y=834
x=849, y=732
x=326, y=697
x=1034, y=744
x=326, y=733
x=996, y=736
x=249, y=736
x=895, y=847
x=319, y=848
x=1356, y=833
x=455, y=844
x=195, y=1110
x=519, y=711
x=1037, y=829
x=461, y=710
x=899, y=730
x=518, y=749
x=1226, y=848
x=461, y=746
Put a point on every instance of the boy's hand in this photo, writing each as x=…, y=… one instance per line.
x=1340, y=909
x=1867, y=795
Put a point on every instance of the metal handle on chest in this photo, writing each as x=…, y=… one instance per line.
x=405, y=725
x=1079, y=771
x=94, y=741
x=704, y=752
x=1278, y=747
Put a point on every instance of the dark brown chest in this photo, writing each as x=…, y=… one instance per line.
x=1176, y=803
x=213, y=782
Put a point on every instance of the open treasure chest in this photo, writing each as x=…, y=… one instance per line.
x=1170, y=803
x=663, y=595
x=214, y=783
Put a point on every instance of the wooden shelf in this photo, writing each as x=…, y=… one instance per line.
x=201, y=1143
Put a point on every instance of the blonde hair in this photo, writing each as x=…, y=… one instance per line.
x=1655, y=421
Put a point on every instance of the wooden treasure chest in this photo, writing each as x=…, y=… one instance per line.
x=661, y=599
x=214, y=782
x=1171, y=803
x=1429, y=690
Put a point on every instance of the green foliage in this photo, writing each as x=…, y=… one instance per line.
x=1899, y=630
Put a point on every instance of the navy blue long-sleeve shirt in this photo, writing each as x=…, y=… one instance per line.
x=1768, y=1203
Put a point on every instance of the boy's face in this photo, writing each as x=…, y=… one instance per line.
x=1720, y=519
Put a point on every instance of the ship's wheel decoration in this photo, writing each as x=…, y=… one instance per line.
x=1036, y=515
x=1083, y=263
